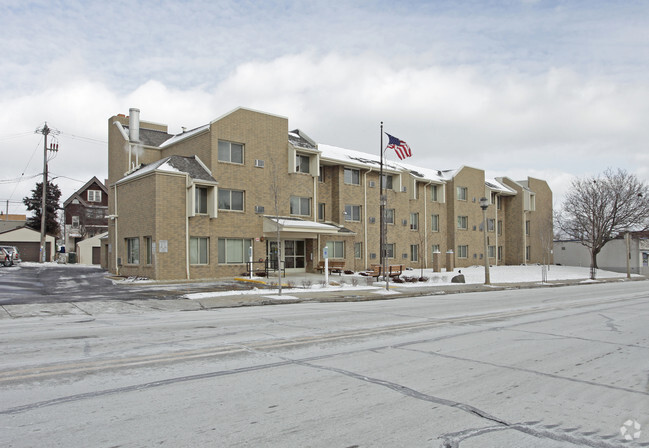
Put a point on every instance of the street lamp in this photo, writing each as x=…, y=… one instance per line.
x=484, y=203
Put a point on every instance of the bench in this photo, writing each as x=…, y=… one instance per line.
x=394, y=270
x=337, y=266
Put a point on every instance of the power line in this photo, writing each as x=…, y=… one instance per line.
x=79, y=137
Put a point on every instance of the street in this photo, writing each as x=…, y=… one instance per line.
x=547, y=367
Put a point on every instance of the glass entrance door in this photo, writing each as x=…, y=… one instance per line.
x=295, y=254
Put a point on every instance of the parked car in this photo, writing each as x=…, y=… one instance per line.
x=5, y=258
x=14, y=255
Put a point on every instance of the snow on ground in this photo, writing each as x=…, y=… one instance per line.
x=472, y=274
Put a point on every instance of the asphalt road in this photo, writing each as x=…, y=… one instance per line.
x=553, y=367
x=31, y=283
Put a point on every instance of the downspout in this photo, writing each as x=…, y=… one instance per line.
x=187, y=210
x=115, y=222
x=315, y=219
x=365, y=216
x=496, y=228
x=426, y=225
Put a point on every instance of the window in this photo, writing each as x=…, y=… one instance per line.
x=321, y=211
x=94, y=195
x=462, y=251
x=132, y=250
x=414, y=252
x=498, y=202
x=300, y=206
x=321, y=174
x=500, y=227
x=491, y=224
x=233, y=250
x=353, y=213
x=148, y=247
x=527, y=228
x=528, y=254
x=463, y=222
x=434, y=223
x=491, y=250
x=198, y=250
x=389, y=250
x=352, y=176
x=414, y=221
x=230, y=199
x=230, y=152
x=387, y=181
x=462, y=193
x=435, y=248
x=336, y=249
x=95, y=213
x=200, y=200
x=358, y=250
x=302, y=163
x=389, y=215
x=434, y=193
x=500, y=253
x=75, y=222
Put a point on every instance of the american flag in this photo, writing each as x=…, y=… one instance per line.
x=400, y=147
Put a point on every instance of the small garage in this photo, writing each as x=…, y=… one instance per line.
x=88, y=250
x=28, y=242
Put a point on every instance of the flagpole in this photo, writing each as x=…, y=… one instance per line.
x=382, y=204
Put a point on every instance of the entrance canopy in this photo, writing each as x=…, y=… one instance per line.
x=299, y=228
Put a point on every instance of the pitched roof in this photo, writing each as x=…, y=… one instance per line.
x=151, y=137
x=191, y=165
x=79, y=193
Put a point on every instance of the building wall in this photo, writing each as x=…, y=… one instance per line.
x=155, y=205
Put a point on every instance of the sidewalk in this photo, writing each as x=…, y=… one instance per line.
x=263, y=296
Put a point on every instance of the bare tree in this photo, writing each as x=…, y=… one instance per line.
x=275, y=193
x=597, y=209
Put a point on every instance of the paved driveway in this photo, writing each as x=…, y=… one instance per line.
x=52, y=283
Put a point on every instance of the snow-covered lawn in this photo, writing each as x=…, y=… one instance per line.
x=472, y=274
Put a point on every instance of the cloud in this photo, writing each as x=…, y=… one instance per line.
x=545, y=125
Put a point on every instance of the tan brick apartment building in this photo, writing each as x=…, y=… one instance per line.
x=190, y=205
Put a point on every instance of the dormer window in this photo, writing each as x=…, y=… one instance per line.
x=302, y=163
x=94, y=195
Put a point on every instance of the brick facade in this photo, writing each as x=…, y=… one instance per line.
x=156, y=205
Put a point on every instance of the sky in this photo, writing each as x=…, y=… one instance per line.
x=548, y=89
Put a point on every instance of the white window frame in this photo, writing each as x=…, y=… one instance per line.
x=414, y=221
x=298, y=204
x=321, y=211
x=336, y=249
x=414, y=252
x=463, y=251
x=491, y=251
x=133, y=250
x=225, y=152
x=352, y=176
x=236, y=246
x=388, y=212
x=358, y=250
x=353, y=213
x=462, y=222
x=390, y=248
x=434, y=223
x=300, y=160
x=491, y=224
x=388, y=181
x=75, y=222
x=200, y=200
x=223, y=192
x=462, y=193
x=94, y=195
x=148, y=250
x=199, y=250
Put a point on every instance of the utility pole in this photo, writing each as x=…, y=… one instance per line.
x=45, y=130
